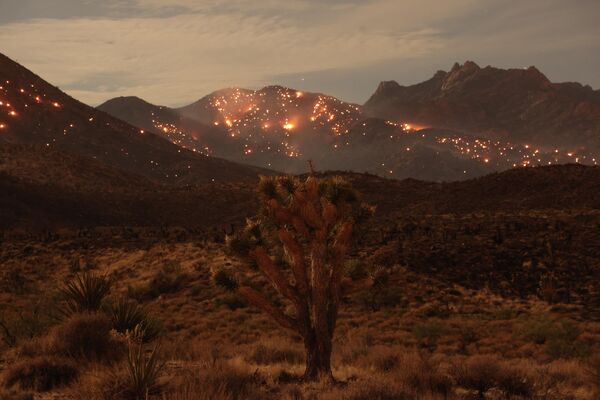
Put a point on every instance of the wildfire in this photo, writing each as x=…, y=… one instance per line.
x=2, y=126
x=55, y=104
x=288, y=126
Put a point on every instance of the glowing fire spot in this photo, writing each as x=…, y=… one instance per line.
x=14, y=114
x=165, y=129
x=216, y=123
x=37, y=98
x=228, y=122
x=55, y=104
x=2, y=126
x=299, y=94
x=288, y=126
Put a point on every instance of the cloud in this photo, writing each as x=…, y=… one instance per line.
x=174, y=51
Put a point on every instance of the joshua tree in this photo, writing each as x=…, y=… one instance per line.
x=299, y=242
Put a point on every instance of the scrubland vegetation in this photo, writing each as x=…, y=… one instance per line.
x=112, y=315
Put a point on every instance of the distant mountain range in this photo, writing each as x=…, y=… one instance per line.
x=458, y=125
x=33, y=112
x=63, y=163
x=520, y=106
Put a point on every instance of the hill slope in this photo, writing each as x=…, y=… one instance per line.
x=34, y=112
x=282, y=128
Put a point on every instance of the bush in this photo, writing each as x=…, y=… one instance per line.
x=428, y=333
x=41, y=374
x=233, y=302
x=371, y=390
x=422, y=375
x=85, y=293
x=559, y=336
x=88, y=336
x=482, y=373
x=126, y=316
x=168, y=279
x=479, y=373
x=356, y=270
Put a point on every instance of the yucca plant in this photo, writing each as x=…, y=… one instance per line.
x=143, y=371
x=84, y=293
x=128, y=317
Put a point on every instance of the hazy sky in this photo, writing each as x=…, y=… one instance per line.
x=173, y=52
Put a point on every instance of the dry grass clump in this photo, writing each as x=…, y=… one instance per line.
x=371, y=390
x=86, y=336
x=482, y=373
x=274, y=352
x=221, y=382
x=41, y=374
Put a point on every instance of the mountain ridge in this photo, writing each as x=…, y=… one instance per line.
x=519, y=105
x=37, y=113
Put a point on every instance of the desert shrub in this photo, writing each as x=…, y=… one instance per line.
x=224, y=279
x=513, y=381
x=143, y=372
x=13, y=280
x=428, y=333
x=559, y=336
x=127, y=315
x=265, y=354
x=84, y=293
x=434, y=310
x=87, y=336
x=231, y=301
x=370, y=390
x=169, y=279
x=26, y=322
x=41, y=374
x=222, y=382
x=422, y=375
x=381, y=294
x=386, y=362
x=356, y=269
x=484, y=372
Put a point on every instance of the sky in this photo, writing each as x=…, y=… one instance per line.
x=173, y=52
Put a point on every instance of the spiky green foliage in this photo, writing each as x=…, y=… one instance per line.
x=127, y=316
x=84, y=293
x=143, y=371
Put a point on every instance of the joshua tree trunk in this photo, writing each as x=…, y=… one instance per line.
x=312, y=232
x=318, y=359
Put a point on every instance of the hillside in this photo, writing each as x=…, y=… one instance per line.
x=45, y=189
x=282, y=128
x=34, y=112
x=83, y=192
